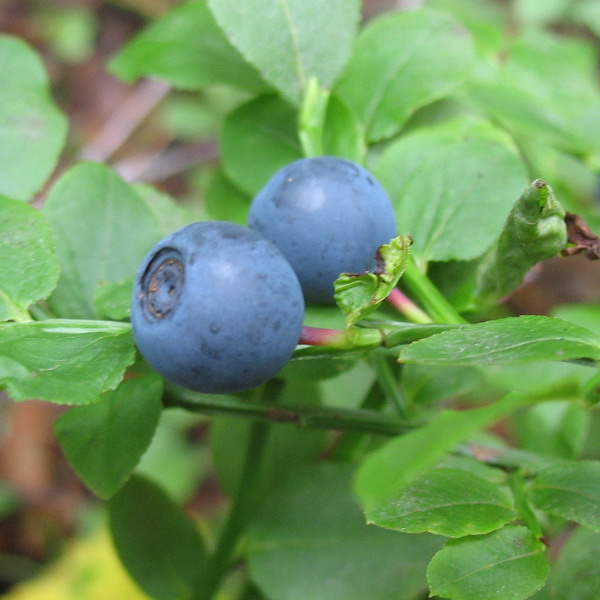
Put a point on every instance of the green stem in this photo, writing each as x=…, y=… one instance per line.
x=40, y=313
x=351, y=443
x=389, y=383
x=305, y=417
x=517, y=485
x=243, y=503
x=430, y=297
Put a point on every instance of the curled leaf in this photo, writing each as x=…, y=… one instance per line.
x=359, y=294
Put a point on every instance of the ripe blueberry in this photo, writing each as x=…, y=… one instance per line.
x=216, y=308
x=328, y=216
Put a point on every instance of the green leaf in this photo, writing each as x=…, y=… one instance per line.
x=576, y=574
x=449, y=502
x=170, y=214
x=402, y=61
x=258, y=139
x=423, y=384
x=104, y=441
x=587, y=13
x=505, y=341
x=359, y=294
x=395, y=464
x=452, y=186
x=558, y=428
x=308, y=541
x=187, y=49
x=172, y=445
x=103, y=229
x=113, y=300
x=32, y=129
x=534, y=231
x=286, y=448
x=224, y=201
x=67, y=362
x=570, y=491
x=343, y=133
x=531, y=12
x=559, y=72
x=582, y=314
x=156, y=541
x=28, y=264
x=291, y=41
x=508, y=564
x=546, y=89
x=486, y=20
x=522, y=113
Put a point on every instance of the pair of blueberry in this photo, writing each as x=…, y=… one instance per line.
x=218, y=307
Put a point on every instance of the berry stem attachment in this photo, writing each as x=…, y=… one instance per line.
x=318, y=336
x=344, y=339
x=408, y=308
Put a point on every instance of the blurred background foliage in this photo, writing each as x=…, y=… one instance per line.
x=51, y=527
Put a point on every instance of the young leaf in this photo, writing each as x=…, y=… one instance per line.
x=452, y=186
x=395, y=464
x=403, y=61
x=187, y=49
x=508, y=564
x=359, y=294
x=68, y=362
x=156, y=541
x=570, y=491
x=258, y=139
x=290, y=41
x=33, y=129
x=505, y=341
x=449, y=502
x=309, y=527
x=103, y=229
x=343, y=133
x=576, y=574
x=28, y=264
x=534, y=231
x=104, y=441
x=523, y=507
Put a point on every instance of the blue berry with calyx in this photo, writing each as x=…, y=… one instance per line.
x=328, y=216
x=216, y=308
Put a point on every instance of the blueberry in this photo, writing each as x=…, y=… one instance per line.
x=328, y=216
x=216, y=308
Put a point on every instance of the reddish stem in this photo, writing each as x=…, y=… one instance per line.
x=407, y=307
x=317, y=336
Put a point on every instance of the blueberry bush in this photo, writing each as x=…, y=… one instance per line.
x=401, y=431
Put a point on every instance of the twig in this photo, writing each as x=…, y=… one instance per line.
x=125, y=119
